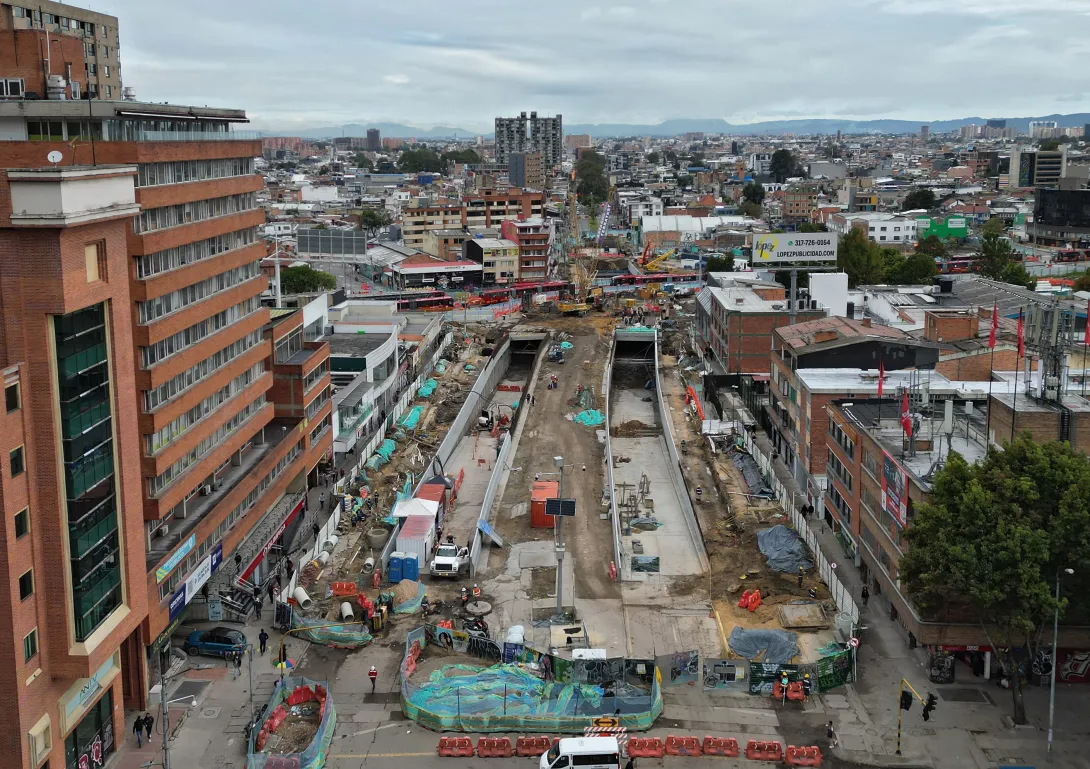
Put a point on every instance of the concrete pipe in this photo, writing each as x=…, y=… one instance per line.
x=301, y=598
x=377, y=537
x=323, y=558
x=346, y=612
x=369, y=565
x=331, y=543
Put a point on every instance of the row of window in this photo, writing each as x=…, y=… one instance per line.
x=210, y=365
x=160, y=306
x=92, y=69
x=320, y=371
x=289, y=345
x=160, y=482
x=188, y=337
x=841, y=505
x=90, y=49
x=181, y=171
x=163, y=437
x=39, y=17
x=180, y=256
x=837, y=468
x=316, y=405
x=320, y=429
x=186, y=213
x=170, y=584
x=836, y=432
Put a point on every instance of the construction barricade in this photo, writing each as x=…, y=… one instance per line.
x=810, y=756
x=720, y=746
x=494, y=747
x=455, y=746
x=646, y=747
x=760, y=750
x=532, y=746
x=682, y=746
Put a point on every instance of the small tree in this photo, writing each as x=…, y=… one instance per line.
x=861, y=259
x=750, y=209
x=372, y=220
x=933, y=246
x=305, y=280
x=812, y=227
x=653, y=158
x=996, y=260
x=754, y=192
x=923, y=198
x=783, y=166
x=994, y=226
x=992, y=539
x=720, y=264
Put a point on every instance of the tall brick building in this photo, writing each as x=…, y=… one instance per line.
x=161, y=423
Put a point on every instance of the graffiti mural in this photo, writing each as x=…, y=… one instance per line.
x=679, y=669
x=721, y=674
x=598, y=672
x=1075, y=667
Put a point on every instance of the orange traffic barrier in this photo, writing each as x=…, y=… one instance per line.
x=682, y=746
x=532, y=746
x=759, y=750
x=494, y=747
x=810, y=756
x=720, y=746
x=344, y=588
x=455, y=746
x=646, y=747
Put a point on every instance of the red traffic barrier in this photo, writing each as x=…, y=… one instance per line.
x=532, y=746
x=494, y=747
x=455, y=746
x=646, y=747
x=759, y=750
x=682, y=746
x=809, y=756
x=720, y=746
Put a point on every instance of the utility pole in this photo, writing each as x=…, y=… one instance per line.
x=558, y=462
x=163, y=709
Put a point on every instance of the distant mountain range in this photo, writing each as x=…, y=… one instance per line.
x=689, y=125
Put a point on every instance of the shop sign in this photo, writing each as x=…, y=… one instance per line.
x=177, y=603
x=82, y=693
x=176, y=558
x=197, y=579
x=272, y=540
x=217, y=556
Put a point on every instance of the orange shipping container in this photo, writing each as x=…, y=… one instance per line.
x=542, y=490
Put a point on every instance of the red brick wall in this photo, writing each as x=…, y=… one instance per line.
x=22, y=54
x=950, y=327
x=749, y=338
x=977, y=366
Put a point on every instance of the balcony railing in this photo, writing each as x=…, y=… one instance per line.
x=188, y=136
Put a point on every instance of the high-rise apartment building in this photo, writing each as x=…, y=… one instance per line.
x=1038, y=168
x=524, y=169
x=925, y=132
x=151, y=448
x=96, y=64
x=533, y=134
x=374, y=140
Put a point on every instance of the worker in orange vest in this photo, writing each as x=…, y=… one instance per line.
x=373, y=675
x=476, y=593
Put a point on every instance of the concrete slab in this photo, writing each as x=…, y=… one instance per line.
x=628, y=405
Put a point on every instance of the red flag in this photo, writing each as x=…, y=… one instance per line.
x=1021, y=336
x=881, y=376
x=906, y=418
x=1086, y=332
x=995, y=326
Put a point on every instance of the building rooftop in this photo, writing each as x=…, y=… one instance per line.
x=742, y=298
x=820, y=331
x=355, y=345
x=98, y=108
x=495, y=243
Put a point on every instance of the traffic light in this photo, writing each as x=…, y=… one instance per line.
x=906, y=700
x=928, y=707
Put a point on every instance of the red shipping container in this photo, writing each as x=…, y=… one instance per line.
x=542, y=490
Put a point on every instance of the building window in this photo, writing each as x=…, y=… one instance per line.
x=106, y=55
x=18, y=465
x=30, y=645
x=92, y=69
x=106, y=73
x=91, y=743
x=94, y=256
x=26, y=585
x=76, y=94
x=22, y=523
x=41, y=741
x=11, y=397
x=11, y=87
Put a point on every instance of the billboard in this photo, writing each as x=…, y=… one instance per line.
x=894, y=489
x=788, y=247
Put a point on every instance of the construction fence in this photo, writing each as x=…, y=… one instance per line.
x=523, y=689
x=304, y=702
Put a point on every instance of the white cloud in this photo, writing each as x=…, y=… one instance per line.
x=397, y=79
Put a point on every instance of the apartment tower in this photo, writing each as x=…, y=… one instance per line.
x=533, y=134
x=148, y=450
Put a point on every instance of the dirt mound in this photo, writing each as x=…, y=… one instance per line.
x=633, y=428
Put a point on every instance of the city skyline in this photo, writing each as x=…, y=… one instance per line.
x=638, y=61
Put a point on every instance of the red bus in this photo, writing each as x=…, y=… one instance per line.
x=425, y=301
x=662, y=277
x=955, y=266
x=495, y=296
x=1069, y=255
x=552, y=285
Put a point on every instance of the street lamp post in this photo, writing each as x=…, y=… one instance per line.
x=164, y=717
x=1052, y=675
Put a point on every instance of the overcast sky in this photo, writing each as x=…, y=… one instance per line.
x=460, y=63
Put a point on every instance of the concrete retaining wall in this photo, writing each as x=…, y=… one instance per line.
x=614, y=516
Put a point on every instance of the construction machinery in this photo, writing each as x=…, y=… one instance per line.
x=653, y=264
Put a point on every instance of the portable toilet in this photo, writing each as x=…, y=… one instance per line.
x=542, y=490
x=410, y=567
x=394, y=569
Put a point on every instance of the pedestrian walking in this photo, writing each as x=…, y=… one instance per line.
x=373, y=675
x=864, y=596
x=234, y=660
x=631, y=764
x=149, y=724
x=263, y=640
x=831, y=735
x=317, y=532
x=321, y=501
x=138, y=730
x=801, y=571
x=257, y=608
x=238, y=662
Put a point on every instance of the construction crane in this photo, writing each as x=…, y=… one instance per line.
x=652, y=265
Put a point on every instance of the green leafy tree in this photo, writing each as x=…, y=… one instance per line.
x=1082, y=283
x=995, y=226
x=697, y=159
x=372, y=220
x=720, y=264
x=923, y=198
x=362, y=161
x=861, y=259
x=464, y=157
x=684, y=182
x=1051, y=145
x=754, y=192
x=996, y=260
x=911, y=270
x=812, y=227
x=933, y=246
x=416, y=160
x=305, y=280
x=784, y=165
x=590, y=173
x=991, y=541
x=653, y=158
x=750, y=209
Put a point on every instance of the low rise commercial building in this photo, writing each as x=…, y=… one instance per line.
x=498, y=258
x=534, y=239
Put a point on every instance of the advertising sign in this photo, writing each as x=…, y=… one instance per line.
x=176, y=558
x=177, y=603
x=894, y=489
x=197, y=579
x=788, y=247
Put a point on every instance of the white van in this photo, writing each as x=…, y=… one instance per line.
x=589, y=752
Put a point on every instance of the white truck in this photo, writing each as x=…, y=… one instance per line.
x=449, y=560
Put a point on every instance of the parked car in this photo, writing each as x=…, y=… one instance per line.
x=217, y=642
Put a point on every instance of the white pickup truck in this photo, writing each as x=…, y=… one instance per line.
x=449, y=560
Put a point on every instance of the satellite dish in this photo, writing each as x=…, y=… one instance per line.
x=54, y=157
